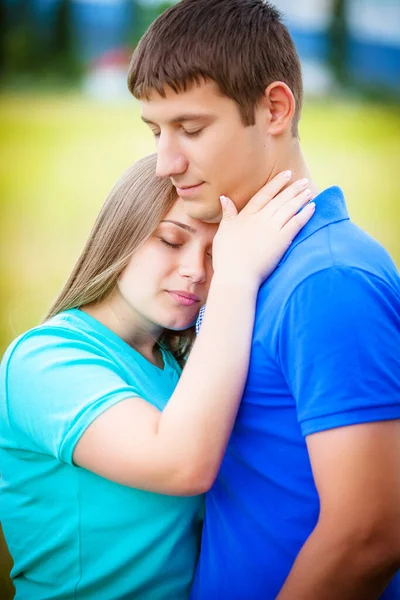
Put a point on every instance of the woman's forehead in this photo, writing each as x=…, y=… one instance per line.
x=178, y=213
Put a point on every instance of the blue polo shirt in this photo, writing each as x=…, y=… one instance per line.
x=325, y=354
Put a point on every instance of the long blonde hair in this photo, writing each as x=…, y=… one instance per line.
x=132, y=211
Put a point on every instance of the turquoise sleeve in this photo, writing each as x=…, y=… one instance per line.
x=57, y=383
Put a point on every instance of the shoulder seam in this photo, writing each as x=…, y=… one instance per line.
x=336, y=267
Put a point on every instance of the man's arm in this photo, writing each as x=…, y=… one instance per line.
x=339, y=351
x=354, y=551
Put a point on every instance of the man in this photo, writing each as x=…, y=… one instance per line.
x=307, y=502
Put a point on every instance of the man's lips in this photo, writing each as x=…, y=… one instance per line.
x=183, y=298
x=188, y=190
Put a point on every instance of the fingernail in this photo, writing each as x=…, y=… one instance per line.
x=307, y=193
x=224, y=201
x=303, y=181
x=311, y=205
x=287, y=174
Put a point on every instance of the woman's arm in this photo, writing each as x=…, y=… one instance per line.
x=178, y=451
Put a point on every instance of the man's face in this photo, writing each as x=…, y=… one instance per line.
x=205, y=149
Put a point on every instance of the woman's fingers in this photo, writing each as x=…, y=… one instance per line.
x=249, y=245
x=229, y=209
x=290, y=208
x=267, y=192
x=296, y=223
x=272, y=197
x=287, y=195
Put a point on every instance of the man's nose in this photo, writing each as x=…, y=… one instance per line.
x=170, y=161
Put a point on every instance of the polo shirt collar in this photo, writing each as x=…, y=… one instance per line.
x=330, y=207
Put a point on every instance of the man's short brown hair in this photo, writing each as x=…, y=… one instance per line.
x=242, y=45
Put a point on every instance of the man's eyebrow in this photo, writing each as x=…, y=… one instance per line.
x=182, y=118
x=181, y=225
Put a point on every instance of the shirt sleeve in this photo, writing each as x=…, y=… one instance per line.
x=339, y=349
x=56, y=385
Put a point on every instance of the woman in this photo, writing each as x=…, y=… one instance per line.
x=101, y=478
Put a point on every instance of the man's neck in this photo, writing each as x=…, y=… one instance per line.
x=291, y=158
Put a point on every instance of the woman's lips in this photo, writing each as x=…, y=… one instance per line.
x=183, y=298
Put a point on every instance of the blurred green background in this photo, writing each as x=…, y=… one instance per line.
x=68, y=126
x=61, y=153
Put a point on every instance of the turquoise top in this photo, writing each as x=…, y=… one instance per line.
x=71, y=533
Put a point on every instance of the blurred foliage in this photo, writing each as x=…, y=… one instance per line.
x=59, y=156
x=41, y=52
x=145, y=15
x=338, y=36
x=31, y=48
x=34, y=51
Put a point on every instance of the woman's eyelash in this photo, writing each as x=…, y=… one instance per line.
x=170, y=244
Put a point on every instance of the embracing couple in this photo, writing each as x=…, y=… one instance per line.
x=286, y=413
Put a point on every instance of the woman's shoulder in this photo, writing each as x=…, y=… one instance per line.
x=65, y=329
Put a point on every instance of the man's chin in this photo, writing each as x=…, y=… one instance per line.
x=209, y=212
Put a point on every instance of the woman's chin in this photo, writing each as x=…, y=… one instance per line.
x=180, y=325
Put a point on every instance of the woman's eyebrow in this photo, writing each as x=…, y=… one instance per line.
x=181, y=225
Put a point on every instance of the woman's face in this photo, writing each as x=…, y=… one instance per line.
x=167, y=280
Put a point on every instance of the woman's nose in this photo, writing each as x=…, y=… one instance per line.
x=193, y=269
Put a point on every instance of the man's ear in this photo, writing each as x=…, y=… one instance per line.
x=279, y=102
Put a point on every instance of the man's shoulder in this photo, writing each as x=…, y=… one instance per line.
x=339, y=246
